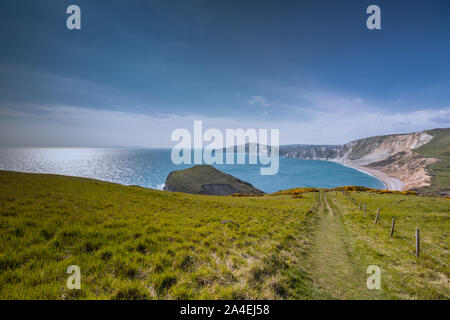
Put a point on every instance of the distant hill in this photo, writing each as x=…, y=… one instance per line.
x=205, y=179
x=417, y=161
x=251, y=148
x=438, y=148
x=420, y=160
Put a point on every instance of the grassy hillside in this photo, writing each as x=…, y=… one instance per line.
x=136, y=243
x=403, y=275
x=438, y=148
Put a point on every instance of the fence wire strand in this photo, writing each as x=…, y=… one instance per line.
x=402, y=235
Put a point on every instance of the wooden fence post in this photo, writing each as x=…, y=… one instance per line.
x=378, y=213
x=392, y=227
x=417, y=243
x=359, y=208
x=364, y=208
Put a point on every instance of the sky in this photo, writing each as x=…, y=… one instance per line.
x=139, y=69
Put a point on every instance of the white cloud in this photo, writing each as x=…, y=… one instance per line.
x=74, y=126
x=258, y=100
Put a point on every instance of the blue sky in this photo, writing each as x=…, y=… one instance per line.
x=139, y=69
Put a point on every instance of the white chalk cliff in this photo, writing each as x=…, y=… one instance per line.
x=391, y=155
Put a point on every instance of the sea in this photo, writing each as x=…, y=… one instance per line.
x=149, y=168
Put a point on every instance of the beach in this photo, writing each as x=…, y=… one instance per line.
x=390, y=183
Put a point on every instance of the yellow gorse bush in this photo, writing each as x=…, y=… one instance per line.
x=366, y=189
x=294, y=191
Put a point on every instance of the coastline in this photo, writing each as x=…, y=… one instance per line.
x=390, y=183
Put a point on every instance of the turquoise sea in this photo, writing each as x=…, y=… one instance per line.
x=150, y=167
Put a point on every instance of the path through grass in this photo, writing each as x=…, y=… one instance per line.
x=136, y=243
x=332, y=264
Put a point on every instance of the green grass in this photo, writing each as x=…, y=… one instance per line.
x=438, y=148
x=333, y=263
x=403, y=275
x=136, y=243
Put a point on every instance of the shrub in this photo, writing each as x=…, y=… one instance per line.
x=371, y=190
x=294, y=191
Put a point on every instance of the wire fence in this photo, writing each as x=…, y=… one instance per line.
x=378, y=219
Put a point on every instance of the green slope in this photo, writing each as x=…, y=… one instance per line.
x=438, y=148
x=136, y=243
x=403, y=276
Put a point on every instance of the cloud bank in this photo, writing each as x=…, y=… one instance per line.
x=68, y=126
